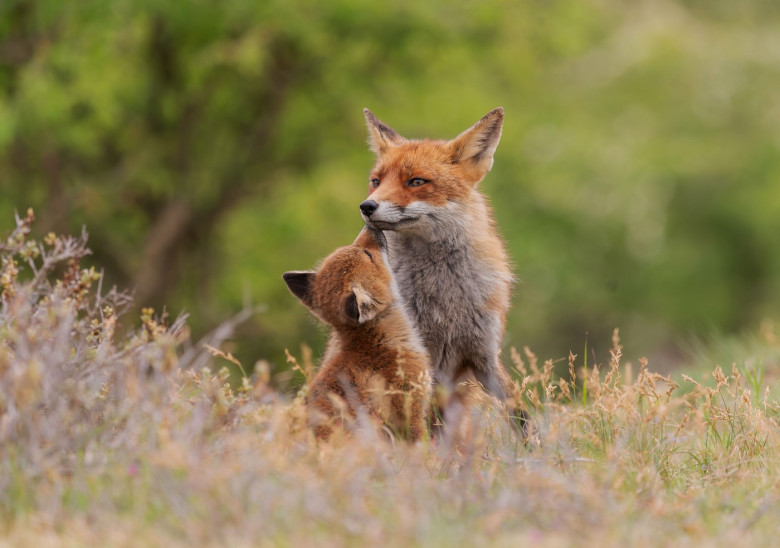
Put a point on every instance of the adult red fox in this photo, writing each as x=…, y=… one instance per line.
x=375, y=361
x=447, y=257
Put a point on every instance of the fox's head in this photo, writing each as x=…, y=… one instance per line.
x=414, y=181
x=352, y=285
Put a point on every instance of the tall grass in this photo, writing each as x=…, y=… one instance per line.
x=134, y=437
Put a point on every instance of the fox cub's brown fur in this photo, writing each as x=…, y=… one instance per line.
x=374, y=361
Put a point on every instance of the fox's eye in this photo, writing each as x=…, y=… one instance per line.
x=369, y=255
x=417, y=181
x=375, y=182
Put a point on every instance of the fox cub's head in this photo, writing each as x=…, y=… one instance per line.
x=352, y=285
x=414, y=182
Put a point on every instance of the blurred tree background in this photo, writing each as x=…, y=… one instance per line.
x=210, y=146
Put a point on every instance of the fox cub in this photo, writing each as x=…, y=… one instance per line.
x=374, y=361
x=445, y=252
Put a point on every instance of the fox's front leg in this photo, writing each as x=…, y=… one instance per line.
x=417, y=427
x=496, y=380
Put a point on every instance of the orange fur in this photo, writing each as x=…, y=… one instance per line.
x=374, y=363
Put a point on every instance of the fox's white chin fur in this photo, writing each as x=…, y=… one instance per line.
x=395, y=218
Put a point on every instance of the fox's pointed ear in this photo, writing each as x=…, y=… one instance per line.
x=361, y=307
x=478, y=143
x=301, y=284
x=380, y=135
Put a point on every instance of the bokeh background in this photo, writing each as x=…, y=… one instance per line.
x=210, y=146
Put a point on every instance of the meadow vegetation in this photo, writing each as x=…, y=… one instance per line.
x=117, y=436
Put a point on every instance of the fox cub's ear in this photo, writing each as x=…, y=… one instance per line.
x=301, y=284
x=479, y=142
x=380, y=135
x=361, y=306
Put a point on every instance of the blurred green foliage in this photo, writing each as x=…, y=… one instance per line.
x=210, y=146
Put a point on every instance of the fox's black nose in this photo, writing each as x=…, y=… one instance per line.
x=368, y=207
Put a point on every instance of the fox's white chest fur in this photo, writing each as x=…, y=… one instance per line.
x=456, y=295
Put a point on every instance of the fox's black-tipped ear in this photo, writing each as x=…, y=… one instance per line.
x=300, y=284
x=380, y=135
x=478, y=143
